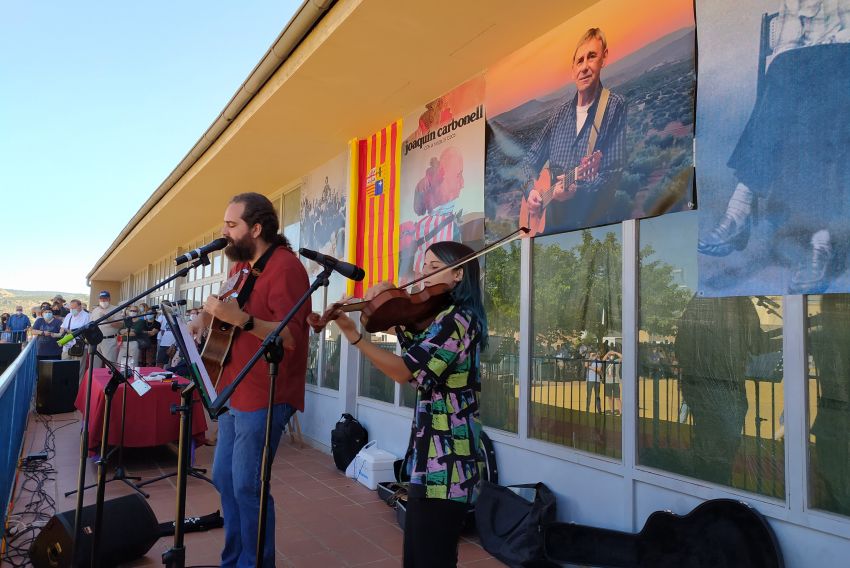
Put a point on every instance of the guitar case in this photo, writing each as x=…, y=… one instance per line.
x=719, y=533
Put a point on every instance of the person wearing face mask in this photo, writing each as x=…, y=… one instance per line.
x=109, y=346
x=152, y=327
x=18, y=324
x=75, y=350
x=133, y=329
x=46, y=331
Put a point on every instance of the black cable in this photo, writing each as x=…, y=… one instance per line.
x=23, y=526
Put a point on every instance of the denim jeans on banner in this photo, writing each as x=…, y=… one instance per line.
x=236, y=474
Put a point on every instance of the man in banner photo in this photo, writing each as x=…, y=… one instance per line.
x=585, y=154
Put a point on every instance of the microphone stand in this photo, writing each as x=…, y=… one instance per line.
x=93, y=336
x=272, y=350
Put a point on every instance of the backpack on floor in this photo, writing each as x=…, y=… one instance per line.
x=347, y=437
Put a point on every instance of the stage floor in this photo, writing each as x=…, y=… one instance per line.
x=324, y=519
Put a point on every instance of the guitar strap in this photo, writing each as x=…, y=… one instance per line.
x=256, y=270
x=597, y=120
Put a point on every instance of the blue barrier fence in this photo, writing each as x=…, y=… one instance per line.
x=16, y=391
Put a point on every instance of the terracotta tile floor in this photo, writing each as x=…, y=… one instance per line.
x=323, y=518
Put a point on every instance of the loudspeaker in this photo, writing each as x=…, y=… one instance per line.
x=58, y=382
x=8, y=353
x=130, y=529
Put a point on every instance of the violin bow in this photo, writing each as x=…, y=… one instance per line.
x=459, y=262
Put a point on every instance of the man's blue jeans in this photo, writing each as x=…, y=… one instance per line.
x=236, y=474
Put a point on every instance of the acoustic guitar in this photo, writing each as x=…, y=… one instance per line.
x=545, y=186
x=220, y=333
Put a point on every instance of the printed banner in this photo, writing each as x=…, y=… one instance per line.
x=773, y=149
x=377, y=204
x=592, y=123
x=323, y=215
x=442, y=176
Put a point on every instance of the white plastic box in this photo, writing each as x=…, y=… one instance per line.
x=373, y=465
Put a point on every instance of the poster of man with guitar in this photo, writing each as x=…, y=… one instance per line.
x=269, y=281
x=573, y=167
x=592, y=122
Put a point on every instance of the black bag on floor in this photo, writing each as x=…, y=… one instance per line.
x=347, y=438
x=510, y=522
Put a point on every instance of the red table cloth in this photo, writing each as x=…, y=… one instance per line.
x=148, y=422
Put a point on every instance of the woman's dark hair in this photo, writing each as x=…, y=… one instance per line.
x=258, y=209
x=467, y=293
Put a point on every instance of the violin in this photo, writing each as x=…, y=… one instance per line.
x=414, y=311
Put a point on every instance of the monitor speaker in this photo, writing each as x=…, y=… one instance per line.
x=58, y=382
x=130, y=529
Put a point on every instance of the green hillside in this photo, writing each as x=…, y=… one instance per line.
x=29, y=298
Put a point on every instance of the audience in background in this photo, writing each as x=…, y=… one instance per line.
x=46, y=330
x=18, y=324
x=76, y=349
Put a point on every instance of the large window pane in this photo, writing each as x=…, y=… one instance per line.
x=374, y=383
x=710, y=396
x=500, y=361
x=577, y=340
x=829, y=402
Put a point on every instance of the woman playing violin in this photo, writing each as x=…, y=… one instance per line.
x=442, y=363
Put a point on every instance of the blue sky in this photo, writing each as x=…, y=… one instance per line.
x=99, y=101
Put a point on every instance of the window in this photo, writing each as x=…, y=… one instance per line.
x=829, y=402
x=373, y=383
x=710, y=396
x=576, y=340
x=500, y=361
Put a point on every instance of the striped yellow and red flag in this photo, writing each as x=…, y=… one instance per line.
x=376, y=163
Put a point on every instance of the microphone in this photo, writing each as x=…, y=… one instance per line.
x=346, y=269
x=217, y=244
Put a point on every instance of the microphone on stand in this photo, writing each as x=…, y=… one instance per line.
x=217, y=244
x=345, y=268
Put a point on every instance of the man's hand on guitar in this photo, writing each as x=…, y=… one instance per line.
x=228, y=312
x=535, y=202
x=562, y=193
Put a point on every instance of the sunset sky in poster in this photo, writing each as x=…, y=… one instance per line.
x=543, y=65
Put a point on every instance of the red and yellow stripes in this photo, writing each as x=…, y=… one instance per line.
x=378, y=175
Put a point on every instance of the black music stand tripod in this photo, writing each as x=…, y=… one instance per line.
x=119, y=474
x=93, y=336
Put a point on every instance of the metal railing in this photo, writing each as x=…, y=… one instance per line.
x=17, y=384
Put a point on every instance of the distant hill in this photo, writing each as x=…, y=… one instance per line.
x=29, y=298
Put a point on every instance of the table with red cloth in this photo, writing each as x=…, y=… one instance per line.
x=149, y=421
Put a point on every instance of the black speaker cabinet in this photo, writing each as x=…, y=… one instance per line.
x=130, y=529
x=58, y=382
x=8, y=353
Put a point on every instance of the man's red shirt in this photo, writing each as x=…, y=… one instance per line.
x=282, y=283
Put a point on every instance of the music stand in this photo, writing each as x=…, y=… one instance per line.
x=174, y=320
x=175, y=557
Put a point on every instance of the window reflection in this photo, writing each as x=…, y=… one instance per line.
x=373, y=383
x=500, y=361
x=577, y=339
x=829, y=402
x=710, y=396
